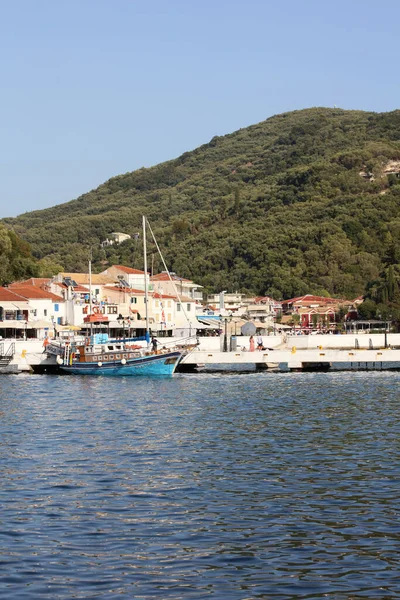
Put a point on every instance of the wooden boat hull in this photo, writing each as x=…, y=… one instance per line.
x=161, y=365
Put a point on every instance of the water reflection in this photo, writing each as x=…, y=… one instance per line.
x=241, y=486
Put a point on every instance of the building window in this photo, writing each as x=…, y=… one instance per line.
x=56, y=307
x=97, y=292
x=59, y=320
x=112, y=310
x=45, y=312
x=178, y=307
x=188, y=306
x=157, y=304
x=169, y=317
x=133, y=300
x=169, y=303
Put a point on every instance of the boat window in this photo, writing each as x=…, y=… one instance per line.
x=117, y=356
x=105, y=357
x=110, y=347
x=94, y=357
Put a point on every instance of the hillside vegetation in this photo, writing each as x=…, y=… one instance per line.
x=304, y=202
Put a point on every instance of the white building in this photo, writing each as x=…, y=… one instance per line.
x=172, y=284
x=134, y=278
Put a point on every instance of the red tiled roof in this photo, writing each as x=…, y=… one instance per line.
x=129, y=270
x=159, y=295
x=126, y=290
x=7, y=295
x=32, y=292
x=314, y=299
x=36, y=281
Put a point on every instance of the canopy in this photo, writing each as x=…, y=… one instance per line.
x=12, y=324
x=67, y=327
x=39, y=325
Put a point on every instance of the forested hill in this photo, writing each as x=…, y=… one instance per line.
x=306, y=201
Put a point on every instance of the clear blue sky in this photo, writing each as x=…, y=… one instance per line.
x=95, y=88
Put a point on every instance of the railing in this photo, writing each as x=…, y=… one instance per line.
x=6, y=357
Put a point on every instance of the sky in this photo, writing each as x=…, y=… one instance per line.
x=91, y=89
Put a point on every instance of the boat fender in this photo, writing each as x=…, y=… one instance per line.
x=123, y=361
x=293, y=349
x=99, y=364
x=59, y=360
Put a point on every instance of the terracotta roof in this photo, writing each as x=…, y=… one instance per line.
x=159, y=295
x=128, y=270
x=7, y=295
x=314, y=299
x=36, y=281
x=126, y=290
x=172, y=297
x=32, y=292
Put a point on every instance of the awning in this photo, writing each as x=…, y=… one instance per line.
x=205, y=323
x=12, y=305
x=39, y=325
x=12, y=324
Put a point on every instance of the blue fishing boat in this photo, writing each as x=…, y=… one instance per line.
x=118, y=359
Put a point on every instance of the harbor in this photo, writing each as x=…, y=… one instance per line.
x=320, y=352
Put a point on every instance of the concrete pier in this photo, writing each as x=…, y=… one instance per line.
x=308, y=359
x=310, y=353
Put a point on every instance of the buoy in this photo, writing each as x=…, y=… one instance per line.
x=123, y=361
x=99, y=364
x=294, y=350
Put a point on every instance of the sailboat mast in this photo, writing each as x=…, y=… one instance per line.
x=90, y=292
x=146, y=291
x=90, y=287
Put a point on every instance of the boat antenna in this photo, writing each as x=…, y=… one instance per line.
x=146, y=291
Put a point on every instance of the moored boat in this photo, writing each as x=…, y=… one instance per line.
x=118, y=359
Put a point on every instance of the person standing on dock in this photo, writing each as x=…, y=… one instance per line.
x=252, y=344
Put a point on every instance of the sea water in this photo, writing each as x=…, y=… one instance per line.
x=231, y=486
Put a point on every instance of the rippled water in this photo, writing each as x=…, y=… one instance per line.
x=202, y=486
